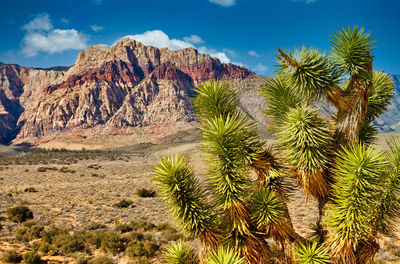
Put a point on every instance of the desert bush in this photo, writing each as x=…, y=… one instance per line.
x=67, y=243
x=113, y=243
x=66, y=170
x=331, y=157
x=141, y=248
x=95, y=226
x=11, y=256
x=101, y=260
x=123, y=203
x=19, y=214
x=51, y=233
x=124, y=228
x=30, y=189
x=44, y=169
x=29, y=232
x=144, y=192
x=31, y=258
x=82, y=258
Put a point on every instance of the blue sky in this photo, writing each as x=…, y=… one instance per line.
x=45, y=33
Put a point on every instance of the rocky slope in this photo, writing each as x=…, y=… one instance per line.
x=125, y=89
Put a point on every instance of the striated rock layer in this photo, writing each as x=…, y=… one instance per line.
x=128, y=88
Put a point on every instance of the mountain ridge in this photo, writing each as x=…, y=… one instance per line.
x=124, y=89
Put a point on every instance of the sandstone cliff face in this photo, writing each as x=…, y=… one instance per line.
x=111, y=89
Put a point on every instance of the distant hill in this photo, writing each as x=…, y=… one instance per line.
x=390, y=120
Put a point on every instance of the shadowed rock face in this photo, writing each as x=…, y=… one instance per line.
x=109, y=90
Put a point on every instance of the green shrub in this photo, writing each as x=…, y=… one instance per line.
x=82, y=258
x=46, y=248
x=138, y=248
x=52, y=232
x=31, y=258
x=123, y=203
x=134, y=236
x=19, y=214
x=68, y=244
x=11, y=256
x=95, y=226
x=124, y=228
x=113, y=243
x=29, y=232
x=101, y=260
x=143, y=192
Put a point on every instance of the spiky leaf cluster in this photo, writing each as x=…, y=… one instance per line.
x=181, y=253
x=351, y=49
x=311, y=253
x=280, y=97
x=214, y=98
x=224, y=256
x=310, y=71
x=381, y=96
x=184, y=195
x=355, y=193
x=386, y=214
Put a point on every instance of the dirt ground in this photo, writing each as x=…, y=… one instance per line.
x=76, y=192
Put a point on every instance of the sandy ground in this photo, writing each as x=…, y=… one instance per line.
x=89, y=188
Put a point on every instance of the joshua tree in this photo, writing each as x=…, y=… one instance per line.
x=329, y=154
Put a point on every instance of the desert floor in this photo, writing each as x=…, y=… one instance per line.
x=73, y=191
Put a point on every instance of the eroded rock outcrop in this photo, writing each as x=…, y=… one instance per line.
x=110, y=89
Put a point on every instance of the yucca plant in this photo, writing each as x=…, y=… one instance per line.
x=181, y=253
x=329, y=154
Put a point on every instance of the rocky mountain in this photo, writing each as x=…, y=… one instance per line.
x=128, y=88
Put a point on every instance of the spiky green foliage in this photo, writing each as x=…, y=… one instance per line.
x=355, y=193
x=386, y=214
x=311, y=253
x=181, y=253
x=214, y=98
x=231, y=144
x=266, y=209
x=306, y=141
x=351, y=49
x=305, y=138
x=224, y=256
x=280, y=97
x=184, y=196
x=381, y=95
x=310, y=71
x=368, y=133
x=268, y=214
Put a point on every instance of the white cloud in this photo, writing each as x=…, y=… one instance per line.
x=194, y=39
x=214, y=53
x=159, y=39
x=260, y=68
x=96, y=28
x=253, y=53
x=40, y=36
x=224, y=2
x=39, y=23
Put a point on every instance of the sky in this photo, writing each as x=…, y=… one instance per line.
x=46, y=33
